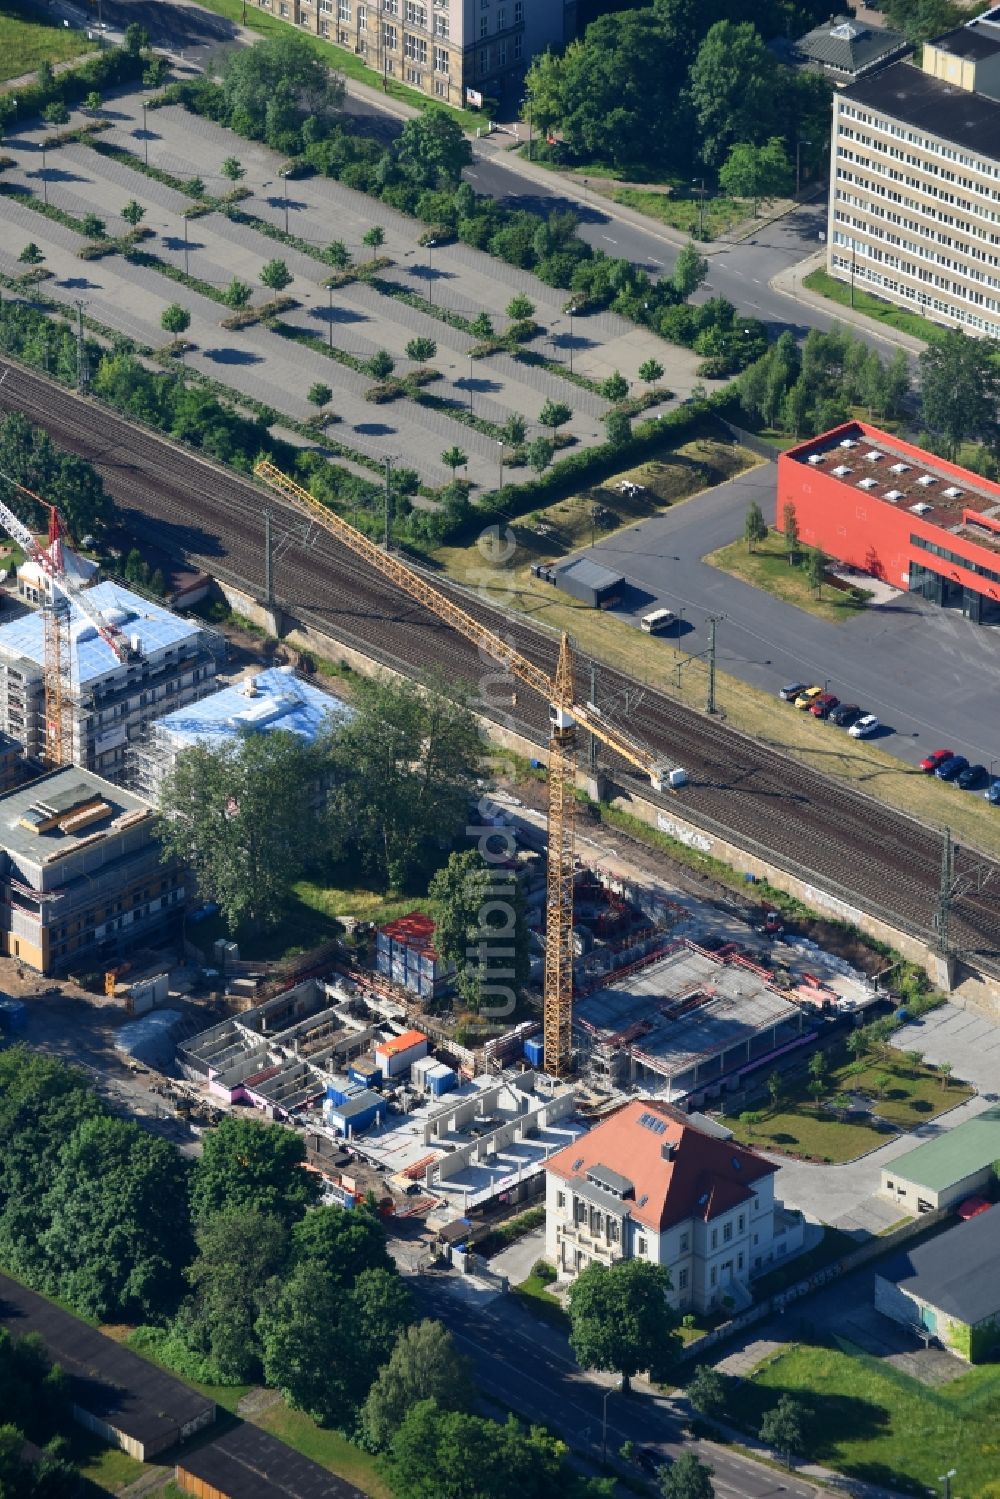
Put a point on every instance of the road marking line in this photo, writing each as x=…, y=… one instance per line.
x=609, y=239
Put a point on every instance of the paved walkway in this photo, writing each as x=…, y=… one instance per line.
x=790, y=281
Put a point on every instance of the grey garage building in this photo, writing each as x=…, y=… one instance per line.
x=591, y=583
x=949, y=1287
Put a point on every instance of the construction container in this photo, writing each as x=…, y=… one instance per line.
x=534, y=1050
x=366, y=1071
x=441, y=1079
x=13, y=1014
x=419, y=1070
x=336, y=1093
x=355, y=1115
x=397, y=1056
x=405, y=953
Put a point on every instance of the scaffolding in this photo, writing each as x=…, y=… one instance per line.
x=57, y=740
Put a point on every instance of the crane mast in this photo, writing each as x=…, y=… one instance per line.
x=564, y=716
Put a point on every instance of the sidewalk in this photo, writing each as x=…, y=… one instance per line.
x=789, y=281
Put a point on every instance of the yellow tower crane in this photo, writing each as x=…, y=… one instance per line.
x=564, y=715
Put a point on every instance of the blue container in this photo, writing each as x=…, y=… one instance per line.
x=368, y=1077
x=441, y=1080
x=534, y=1050
x=335, y=1094
x=13, y=1014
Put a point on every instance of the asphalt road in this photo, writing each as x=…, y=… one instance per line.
x=932, y=677
x=522, y=1364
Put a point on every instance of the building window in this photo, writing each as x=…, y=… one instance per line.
x=518, y=12
x=741, y=1223
x=727, y=1233
x=440, y=60
x=682, y=1280
x=389, y=38
x=518, y=47
x=344, y=10
x=416, y=13
x=484, y=26
x=739, y=1260
x=415, y=48
x=560, y=1199
x=391, y=7
x=713, y=1276
x=685, y=1243
x=715, y=1238
x=441, y=88
x=889, y=1185
x=442, y=26
x=501, y=18
x=501, y=54
x=640, y=1246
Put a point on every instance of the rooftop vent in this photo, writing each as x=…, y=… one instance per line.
x=841, y=470
x=847, y=31
x=874, y=454
x=927, y=480
x=578, y=1163
x=815, y=457
x=737, y=1163
x=899, y=468
x=953, y=492
x=667, y=1150
x=921, y=507
x=643, y=1200
x=848, y=442
x=867, y=483
x=893, y=494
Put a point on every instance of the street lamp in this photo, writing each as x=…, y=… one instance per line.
x=946, y=1478
x=613, y=1390
x=430, y=270
x=571, y=338
x=798, y=166
x=470, y=383
x=145, y=130
x=184, y=216
x=701, y=207
x=284, y=184
x=500, y=441
x=531, y=139
x=329, y=321
x=45, y=175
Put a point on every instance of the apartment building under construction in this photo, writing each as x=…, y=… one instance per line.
x=109, y=702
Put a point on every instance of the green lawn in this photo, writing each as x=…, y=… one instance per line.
x=27, y=40
x=873, y=1422
x=328, y=1448
x=107, y=1469
x=872, y=306
x=539, y=1299
x=768, y=568
x=912, y=1095
x=683, y=212
x=339, y=58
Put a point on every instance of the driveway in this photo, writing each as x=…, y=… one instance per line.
x=876, y=659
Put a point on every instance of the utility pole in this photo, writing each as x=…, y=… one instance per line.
x=942, y=920
x=185, y=245
x=388, y=501
x=81, y=359
x=713, y=620
x=268, y=561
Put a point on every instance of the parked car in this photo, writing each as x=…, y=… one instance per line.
x=805, y=699
x=820, y=706
x=972, y=778
x=992, y=793
x=844, y=714
x=972, y=1207
x=791, y=691
x=934, y=759
x=865, y=725
x=949, y=770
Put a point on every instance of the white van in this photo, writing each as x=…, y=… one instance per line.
x=657, y=622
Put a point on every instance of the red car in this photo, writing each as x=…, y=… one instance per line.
x=934, y=759
x=972, y=1207
x=820, y=706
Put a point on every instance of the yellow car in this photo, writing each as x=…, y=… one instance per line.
x=809, y=696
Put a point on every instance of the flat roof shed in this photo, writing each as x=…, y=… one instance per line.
x=591, y=583
x=248, y=1463
x=953, y=1165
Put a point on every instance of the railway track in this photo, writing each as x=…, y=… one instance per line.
x=854, y=846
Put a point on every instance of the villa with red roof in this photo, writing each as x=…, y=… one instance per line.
x=648, y=1183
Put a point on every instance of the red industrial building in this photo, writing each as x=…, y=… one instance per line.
x=903, y=515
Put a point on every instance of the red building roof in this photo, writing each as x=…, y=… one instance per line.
x=703, y=1177
x=415, y=930
x=397, y=1044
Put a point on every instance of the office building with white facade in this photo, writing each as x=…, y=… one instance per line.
x=649, y=1184
x=915, y=181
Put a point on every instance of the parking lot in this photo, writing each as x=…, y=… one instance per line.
x=357, y=319
x=932, y=677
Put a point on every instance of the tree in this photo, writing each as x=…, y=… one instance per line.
x=133, y=213
x=650, y=371
x=775, y=1088
x=235, y=812
x=194, y=187
x=690, y=270
x=555, y=414
x=404, y=769
x=687, y=1477
x=733, y=88
x=615, y=387
x=757, y=172
x=424, y=1365
x=481, y=326
x=816, y=1066
x=237, y=294
x=915, y=1059
x=782, y=1427
x=790, y=527
x=540, y=453
x=117, y=1233
x=706, y=1391
x=275, y=275
x=374, y=237
x=618, y=428
x=93, y=103
x=31, y=254
x=520, y=309
x=816, y=566
x=816, y=1088
x=750, y=1119
x=55, y=113
x=249, y=1166
x=482, y=927
x=945, y=1069
x=883, y=1081
x=93, y=227
x=233, y=169
x=381, y=365
x=338, y=255
x=858, y=1043
x=273, y=90
x=175, y=319
x=454, y=458
x=754, y=527
x=319, y=395
x=960, y=390
x=620, y=1319
x=433, y=149
x=515, y=429
x=136, y=39
x=233, y=1277
x=442, y=1454
x=421, y=349
x=341, y=1242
